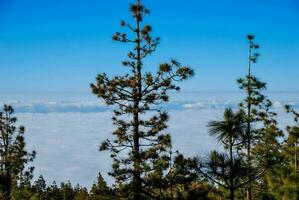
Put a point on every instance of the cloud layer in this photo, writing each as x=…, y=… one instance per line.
x=67, y=143
x=96, y=107
x=67, y=134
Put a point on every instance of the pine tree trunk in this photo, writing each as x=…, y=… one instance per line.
x=137, y=183
x=137, y=160
x=249, y=189
x=232, y=194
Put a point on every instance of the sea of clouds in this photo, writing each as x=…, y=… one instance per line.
x=66, y=130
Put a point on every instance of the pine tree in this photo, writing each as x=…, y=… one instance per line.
x=252, y=105
x=67, y=191
x=13, y=156
x=138, y=138
x=227, y=169
x=39, y=187
x=53, y=192
x=282, y=181
x=182, y=180
x=289, y=172
x=100, y=190
x=81, y=193
x=266, y=152
x=176, y=177
x=293, y=138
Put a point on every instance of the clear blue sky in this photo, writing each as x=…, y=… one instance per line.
x=60, y=45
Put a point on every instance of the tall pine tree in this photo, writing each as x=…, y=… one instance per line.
x=252, y=104
x=137, y=98
x=13, y=156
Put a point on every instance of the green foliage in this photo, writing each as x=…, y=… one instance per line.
x=177, y=178
x=227, y=169
x=259, y=161
x=261, y=147
x=283, y=181
x=13, y=156
x=100, y=190
x=140, y=142
x=40, y=191
x=40, y=188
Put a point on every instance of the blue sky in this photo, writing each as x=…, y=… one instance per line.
x=60, y=45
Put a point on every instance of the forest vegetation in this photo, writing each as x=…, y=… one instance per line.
x=259, y=160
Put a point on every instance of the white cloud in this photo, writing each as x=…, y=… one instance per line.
x=67, y=143
x=67, y=134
